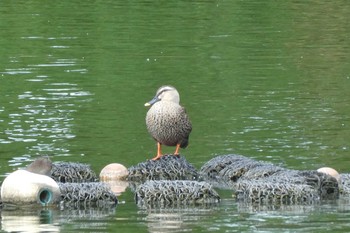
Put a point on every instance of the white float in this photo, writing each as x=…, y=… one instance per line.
x=330, y=171
x=113, y=172
x=23, y=187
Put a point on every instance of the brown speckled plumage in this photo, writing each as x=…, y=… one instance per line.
x=167, y=121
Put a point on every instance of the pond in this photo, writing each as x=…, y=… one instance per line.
x=268, y=80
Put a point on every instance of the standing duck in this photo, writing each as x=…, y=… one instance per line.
x=167, y=121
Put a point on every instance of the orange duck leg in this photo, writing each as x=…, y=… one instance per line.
x=177, y=149
x=159, y=151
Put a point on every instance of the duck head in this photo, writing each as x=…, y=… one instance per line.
x=165, y=93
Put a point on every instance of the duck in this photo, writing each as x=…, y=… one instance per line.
x=41, y=166
x=167, y=121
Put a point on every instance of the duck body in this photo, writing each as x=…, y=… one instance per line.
x=167, y=121
x=168, y=124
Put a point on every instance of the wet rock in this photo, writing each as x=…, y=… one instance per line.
x=174, y=193
x=93, y=194
x=257, y=181
x=69, y=172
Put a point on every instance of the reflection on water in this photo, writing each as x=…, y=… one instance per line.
x=225, y=217
x=118, y=187
x=44, y=118
x=54, y=220
x=40, y=115
x=175, y=220
x=28, y=221
x=39, y=105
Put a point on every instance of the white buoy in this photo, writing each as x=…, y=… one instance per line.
x=117, y=186
x=330, y=171
x=28, y=221
x=114, y=175
x=24, y=187
x=113, y=171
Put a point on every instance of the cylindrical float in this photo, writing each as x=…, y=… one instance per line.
x=23, y=187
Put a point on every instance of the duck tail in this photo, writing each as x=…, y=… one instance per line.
x=184, y=143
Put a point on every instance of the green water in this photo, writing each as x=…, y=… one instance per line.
x=266, y=79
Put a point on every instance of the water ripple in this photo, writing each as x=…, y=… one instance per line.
x=45, y=118
x=17, y=71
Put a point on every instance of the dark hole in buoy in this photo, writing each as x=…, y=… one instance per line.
x=45, y=196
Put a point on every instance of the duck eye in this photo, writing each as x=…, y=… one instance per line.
x=161, y=93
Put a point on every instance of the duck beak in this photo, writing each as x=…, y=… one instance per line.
x=154, y=100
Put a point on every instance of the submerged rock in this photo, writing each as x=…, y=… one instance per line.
x=256, y=181
x=174, y=193
x=345, y=184
x=93, y=194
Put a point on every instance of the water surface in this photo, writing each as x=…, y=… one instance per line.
x=265, y=79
